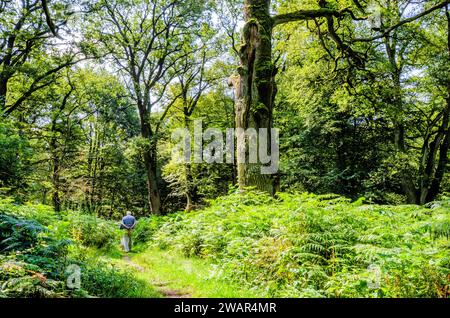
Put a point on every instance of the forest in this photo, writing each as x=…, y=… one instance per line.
x=267, y=148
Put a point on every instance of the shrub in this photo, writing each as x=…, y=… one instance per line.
x=18, y=234
x=92, y=231
x=42, y=214
x=103, y=279
x=303, y=245
x=145, y=228
x=34, y=259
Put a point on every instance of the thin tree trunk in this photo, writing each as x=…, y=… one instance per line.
x=56, y=167
x=442, y=164
x=96, y=152
x=55, y=198
x=154, y=198
x=445, y=127
x=190, y=187
x=434, y=173
x=3, y=91
x=406, y=180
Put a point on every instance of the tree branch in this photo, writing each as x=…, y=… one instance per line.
x=311, y=14
x=402, y=22
x=37, y=85
x=48, y=17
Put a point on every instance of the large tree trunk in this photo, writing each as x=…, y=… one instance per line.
x=255, y=88
x=150, y=161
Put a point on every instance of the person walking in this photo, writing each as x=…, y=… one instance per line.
x=128, y=223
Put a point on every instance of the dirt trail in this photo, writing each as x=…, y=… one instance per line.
x=160, y=286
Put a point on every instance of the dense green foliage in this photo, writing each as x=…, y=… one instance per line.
x=304, y=245
x=92, y=94
x=35, y=255
x=93, y=136
x=295, y=245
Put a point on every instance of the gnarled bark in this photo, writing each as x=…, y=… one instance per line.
x=255, y=87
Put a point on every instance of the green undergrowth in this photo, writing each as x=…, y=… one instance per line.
x=241, y=245
x=304, y=245
x=40, y=251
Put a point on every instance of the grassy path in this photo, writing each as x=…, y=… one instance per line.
x=175, y=276
x=160, y=287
